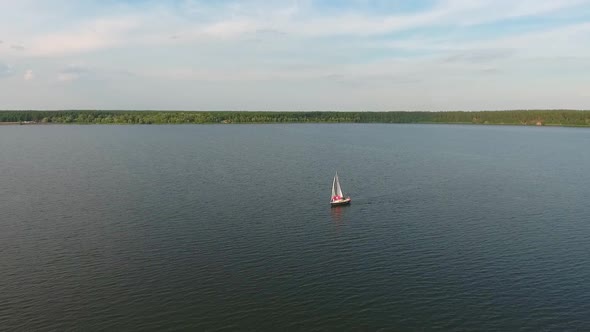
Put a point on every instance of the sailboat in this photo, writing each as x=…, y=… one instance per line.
x=338, y=197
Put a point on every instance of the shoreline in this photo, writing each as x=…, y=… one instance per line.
x=290, y=123
x=539, y=118
x=23, y=123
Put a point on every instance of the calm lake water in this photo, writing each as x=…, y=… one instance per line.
x=225, y=227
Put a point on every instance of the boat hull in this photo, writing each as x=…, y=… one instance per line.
x=345, y=201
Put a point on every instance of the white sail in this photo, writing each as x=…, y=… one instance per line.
x=336, y=190
x=334, y=187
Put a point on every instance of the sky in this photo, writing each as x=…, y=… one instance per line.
x=349, y=55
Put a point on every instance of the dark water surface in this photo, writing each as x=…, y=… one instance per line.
x=229, y=227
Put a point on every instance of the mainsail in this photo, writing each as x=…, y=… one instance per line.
x=336, y=190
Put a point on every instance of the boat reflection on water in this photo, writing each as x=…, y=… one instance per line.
x=336, y=213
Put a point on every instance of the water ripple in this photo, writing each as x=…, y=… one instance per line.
x=219, y=229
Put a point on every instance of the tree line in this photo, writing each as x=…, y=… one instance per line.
x=515, y=117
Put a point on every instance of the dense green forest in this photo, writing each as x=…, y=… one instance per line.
x=517, y=117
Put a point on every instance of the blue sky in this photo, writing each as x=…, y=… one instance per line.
x=295, y=54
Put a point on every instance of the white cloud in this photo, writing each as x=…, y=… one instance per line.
x=200, y=22
x=89, y=36
x=345, y=57
x=29, y=75
x=5, y=70
x=66, y=77
x=445, y=12
x=73, y=72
